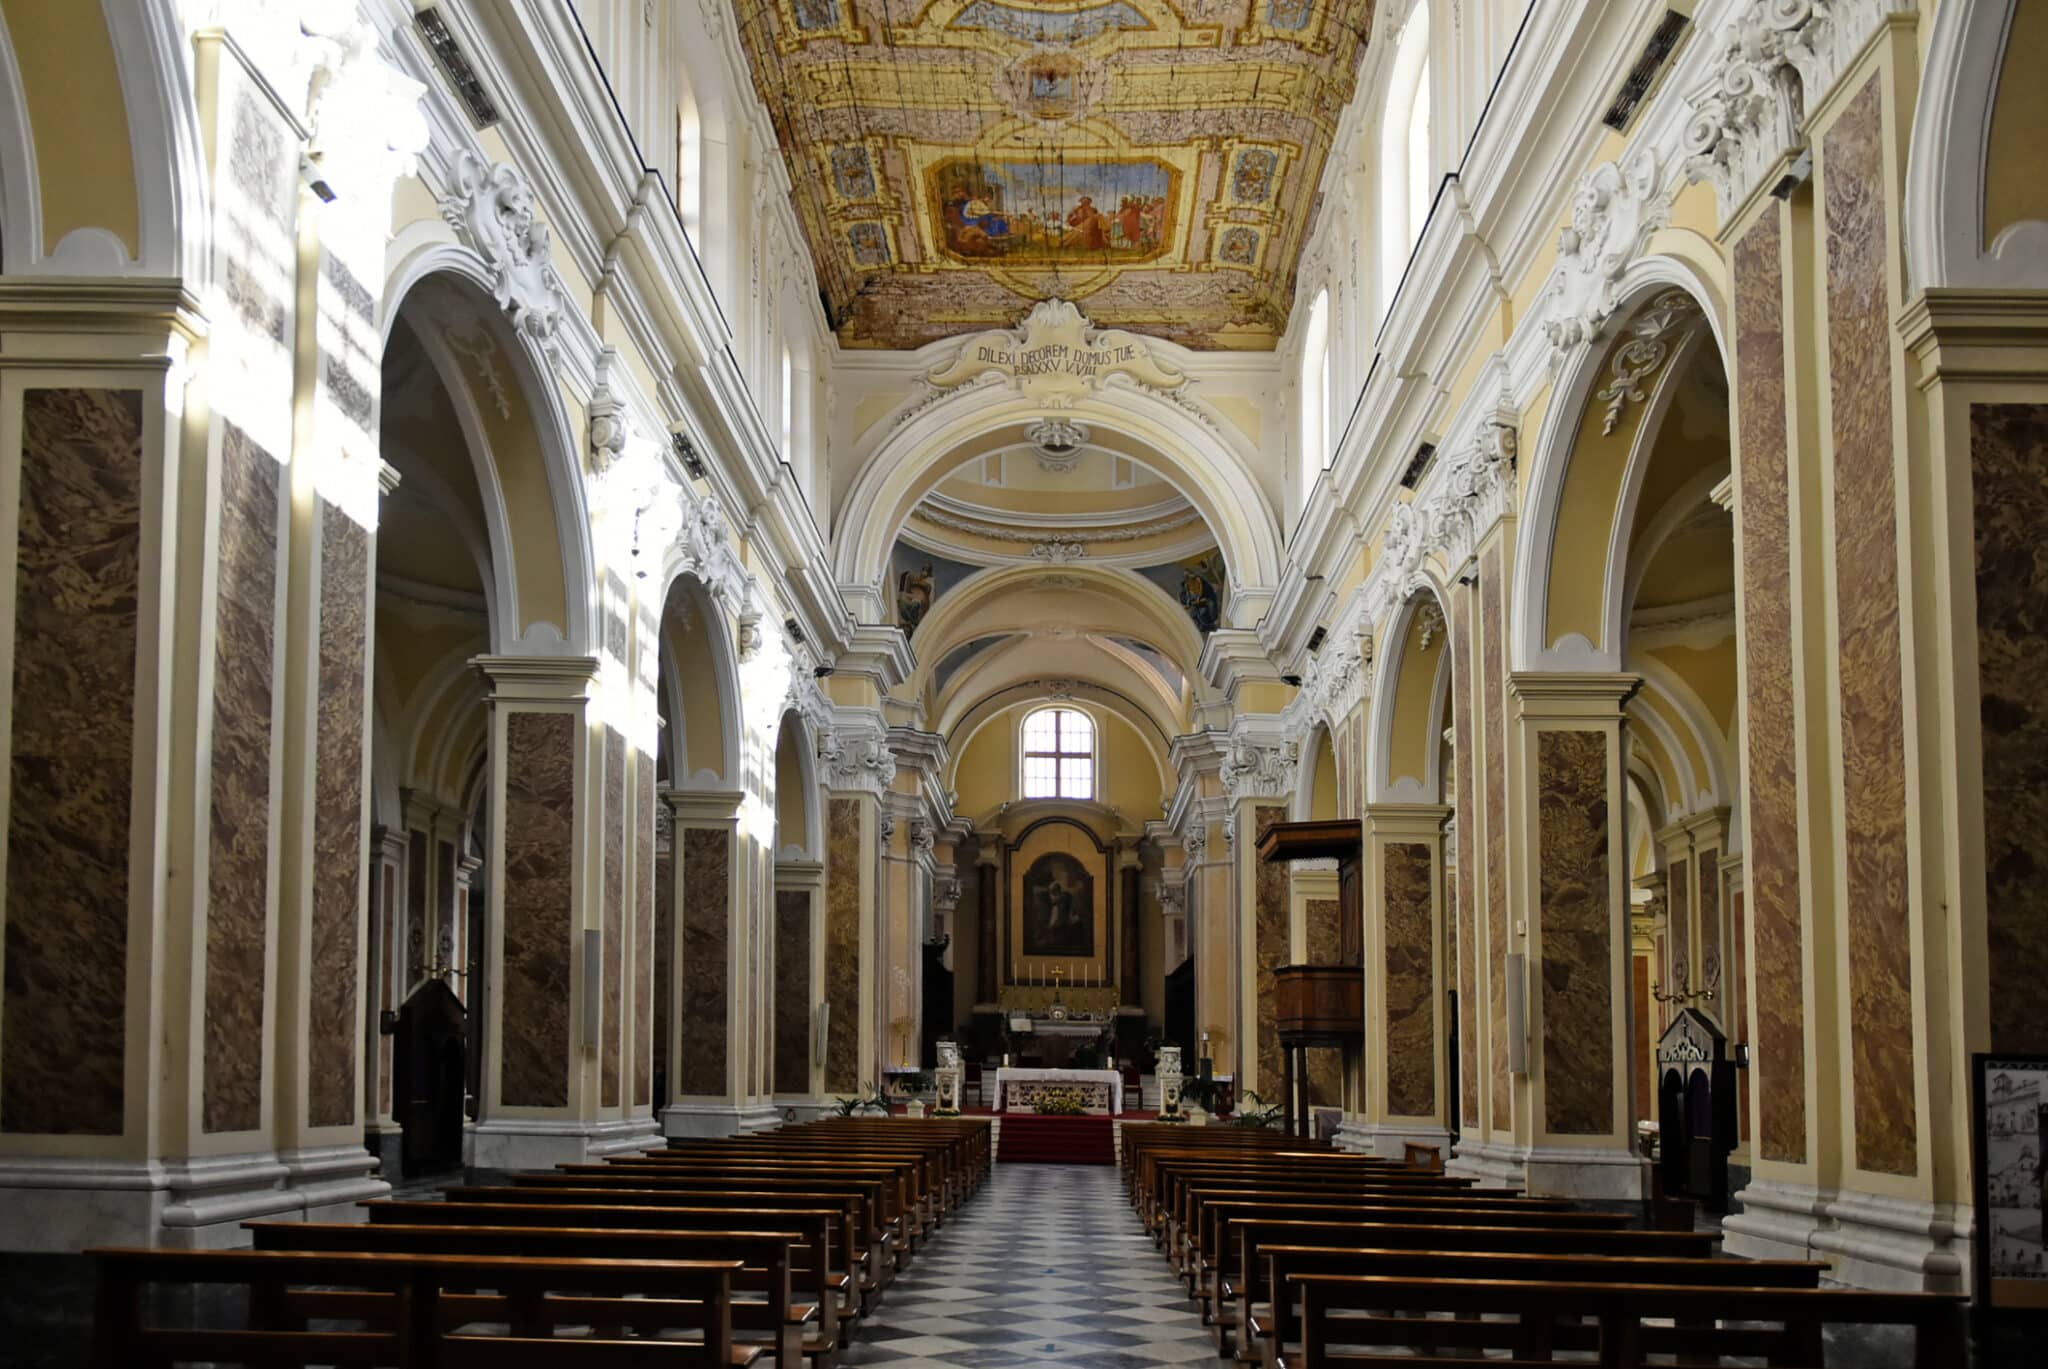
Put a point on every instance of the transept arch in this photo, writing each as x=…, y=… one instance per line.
x=1186, y=451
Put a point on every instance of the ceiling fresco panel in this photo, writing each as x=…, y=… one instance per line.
x=957, y=162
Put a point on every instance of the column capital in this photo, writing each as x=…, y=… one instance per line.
x=1413, y=821
x=1571, y=696
x=704, y=807
x=537, y=679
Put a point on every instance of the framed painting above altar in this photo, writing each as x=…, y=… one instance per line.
x=1059, y=907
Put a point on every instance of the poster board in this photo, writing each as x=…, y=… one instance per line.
x=2008, y=1117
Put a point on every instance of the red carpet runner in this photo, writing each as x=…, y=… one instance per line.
x=1030, y=1139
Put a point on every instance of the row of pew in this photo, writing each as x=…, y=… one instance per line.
x=708, y=1253
x=1304, y=1257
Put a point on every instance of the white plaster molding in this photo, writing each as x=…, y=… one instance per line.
x=492, y=206
x=1476, y=490
x=855, y=755
x=1258, y=763
x=1616, y=208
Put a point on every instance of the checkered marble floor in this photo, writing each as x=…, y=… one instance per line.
x=1046, y=1265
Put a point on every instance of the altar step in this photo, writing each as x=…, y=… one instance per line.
x=1027, y=1138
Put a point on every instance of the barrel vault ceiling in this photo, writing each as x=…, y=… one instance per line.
x=956, y=161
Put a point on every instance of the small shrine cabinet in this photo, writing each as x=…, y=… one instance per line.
x=1320, y=1005
x=1695, y=1109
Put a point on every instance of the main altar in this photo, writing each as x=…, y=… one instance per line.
x=1096, y=1090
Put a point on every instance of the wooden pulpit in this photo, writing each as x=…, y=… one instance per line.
x=1320, y=1005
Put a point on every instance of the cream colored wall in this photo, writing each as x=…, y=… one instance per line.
x=78, y=119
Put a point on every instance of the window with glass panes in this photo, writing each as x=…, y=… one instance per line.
x=1059, y=755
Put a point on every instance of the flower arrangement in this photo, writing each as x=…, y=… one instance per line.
x=1061, y=1103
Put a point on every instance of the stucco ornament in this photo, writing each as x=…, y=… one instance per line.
x=1058, y=442
x=1059, y=551
x=364, y=114
x=1404, y=541
x=1056, y=357
x=703, y=548
x=608, y=422
x=1477, y=488
x=853, y=761
x=492, y=206
x=1615, y=210
x=1339, y=677
x=1260, y=769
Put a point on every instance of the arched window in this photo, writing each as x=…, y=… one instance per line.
x=1315, y=392
x=1404, y=162
x=788, y=406
x=1059, y=754
x=689, y=165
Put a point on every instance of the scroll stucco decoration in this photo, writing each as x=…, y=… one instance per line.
x=492, y=207
x=705, y=547
x=1056, y=358
x=1259, y=769
x=855, y=762
x=381, y=129
x=1615, y=210
x=1477, y=488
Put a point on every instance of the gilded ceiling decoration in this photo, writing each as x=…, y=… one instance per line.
x=957, y=163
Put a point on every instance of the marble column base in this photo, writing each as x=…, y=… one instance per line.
x=1872, y=1241
x=1495, y=1164
x=1389, y=1140
x=625, y=1136
x=1574, y=1172
x=805, y=1110
x=701, y=1119
x=509, y=1144
x=386, y=1144
x=760, y=1117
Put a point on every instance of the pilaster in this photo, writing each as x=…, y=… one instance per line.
x=707, y=1085
x=1406, y=1061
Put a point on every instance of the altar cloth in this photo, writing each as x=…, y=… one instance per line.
x=1014, y=1075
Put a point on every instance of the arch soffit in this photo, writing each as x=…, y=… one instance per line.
x=173, y=218
x=1318, y=749
x=1583, y=371
x=1718, y=786
x=422, y=253
x=1216, y=478
x=812, y=846
x=961, y=615
x=1380, y=785
x=1944, y=230
x=1016, y=662
x=725, y=683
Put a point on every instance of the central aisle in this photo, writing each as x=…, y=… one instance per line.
x=1047, y=1265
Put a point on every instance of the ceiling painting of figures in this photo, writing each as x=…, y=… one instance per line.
x=957, y=161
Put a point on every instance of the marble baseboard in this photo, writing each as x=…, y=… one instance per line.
x=1585, y=1172
x=1872, y=1241
x=760, y=1117
x=625, y=1136
x=387, y=1148
x=1493, y=1164
x=525, y=1143
x=1389, y=1140
x=703, y=1119
x=330, y=1178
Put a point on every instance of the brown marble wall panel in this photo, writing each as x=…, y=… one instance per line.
x=2009, y=477
x=1867, y=614
x=416, y=872
x=707, y=942
x=1578, y=934
x=1492, y=680
x=390, y=988
x=1711, y=971
x=614, y=915
x=447, y=906
x=1323, y=921
x=1679, y=971
x=63, y=1031
x=539, y=900
x=792, y=991
x=340, y=733
x=1467, y=808
x=1270, y=936
x=1410, y=1017
x=1641, y=1044
x=238, y=836
x=842, y=945
x=643, y=934
x=1773, y=783
x=1740, y=1031
x=664, y=971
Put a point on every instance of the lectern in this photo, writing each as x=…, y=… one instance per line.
x=1320, y=1005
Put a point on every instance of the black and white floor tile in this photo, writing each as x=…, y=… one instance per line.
x=1046, y=1265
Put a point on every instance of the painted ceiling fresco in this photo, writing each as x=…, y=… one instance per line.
x=957, y=162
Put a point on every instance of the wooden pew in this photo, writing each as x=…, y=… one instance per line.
x=894, y=1187
x=789, y=1328
x=1270, y=1252
x=421, y=1294
x=857, y=1247
x=1710, y=1324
